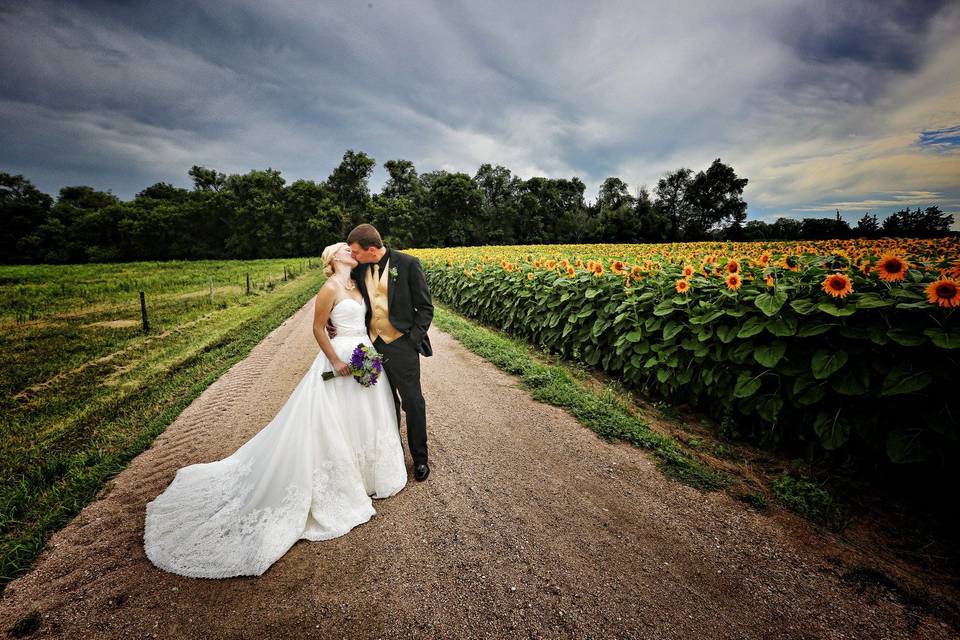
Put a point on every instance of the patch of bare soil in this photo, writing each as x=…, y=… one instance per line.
x=114, y=324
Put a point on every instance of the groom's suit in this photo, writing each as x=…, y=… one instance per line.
x=399, y=313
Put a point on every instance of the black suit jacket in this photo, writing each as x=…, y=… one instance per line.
x=408, y=296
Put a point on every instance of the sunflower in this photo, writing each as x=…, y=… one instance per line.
x=530, y=275
x=618, y=268
x=733, y=281
x=790, y=262
x=687, y=271
x=765, y=259
x=571, y=272
x=769, y=280
x=945, y=293
x=597, y=269
x=733, y=266
x=537, y=264
x=636, y=272
x=892, y=268
x=682, y=285
x=837, y=285
x=550, y=265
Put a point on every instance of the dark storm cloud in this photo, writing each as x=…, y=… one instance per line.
x=878, y=35
x=796, y=96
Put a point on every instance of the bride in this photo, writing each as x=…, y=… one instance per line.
x=310, y=473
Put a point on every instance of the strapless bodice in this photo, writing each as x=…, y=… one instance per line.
x=349, y=317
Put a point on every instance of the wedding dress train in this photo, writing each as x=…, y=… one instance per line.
x=308, y=474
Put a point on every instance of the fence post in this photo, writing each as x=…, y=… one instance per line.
x=143, y=313
x=284, y=273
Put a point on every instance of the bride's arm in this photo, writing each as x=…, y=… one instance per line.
x=321, y=314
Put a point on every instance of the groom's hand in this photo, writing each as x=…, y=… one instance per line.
x=331, y=330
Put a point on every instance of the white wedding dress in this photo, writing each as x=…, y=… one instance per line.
x=308, y=474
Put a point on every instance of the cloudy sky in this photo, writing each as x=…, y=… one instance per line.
x=822, y=105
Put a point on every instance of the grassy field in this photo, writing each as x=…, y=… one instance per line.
x=85, y=389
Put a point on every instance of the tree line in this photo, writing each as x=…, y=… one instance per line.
x=259, y=215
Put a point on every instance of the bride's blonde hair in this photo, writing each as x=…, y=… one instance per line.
x=327, y=257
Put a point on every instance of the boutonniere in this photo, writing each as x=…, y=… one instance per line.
x=394, y=274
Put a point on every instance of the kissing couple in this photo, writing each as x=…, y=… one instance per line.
x=335, y=443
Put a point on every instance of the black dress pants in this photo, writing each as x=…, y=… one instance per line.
x=401, y=361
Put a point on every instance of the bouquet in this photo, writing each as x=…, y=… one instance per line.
x=365, y=366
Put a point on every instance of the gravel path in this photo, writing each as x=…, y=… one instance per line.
x=529, y=526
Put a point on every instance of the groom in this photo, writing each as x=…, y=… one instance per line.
x=399, y=312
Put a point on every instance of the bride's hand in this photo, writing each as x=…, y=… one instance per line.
x=341, y=367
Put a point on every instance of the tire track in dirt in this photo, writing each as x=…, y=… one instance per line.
x=529, y=526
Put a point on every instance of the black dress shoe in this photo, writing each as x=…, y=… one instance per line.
x=420, y=472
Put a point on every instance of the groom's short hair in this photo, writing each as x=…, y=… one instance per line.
x=366, y=236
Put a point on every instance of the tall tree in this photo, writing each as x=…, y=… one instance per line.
x=258, y=210
x=614, y=194
x=867, y=226
x=456, y=203
x=715, y=199
x=653, y=225
x=403, y=182
x=205, y=179
x=923, y=224
x=500, y=212
x=618, y=221
x=671, y=198
x=23, y=209
x=350, y=182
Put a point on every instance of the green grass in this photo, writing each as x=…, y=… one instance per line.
x=809, y=500
x=558, y=385
x=69, y=424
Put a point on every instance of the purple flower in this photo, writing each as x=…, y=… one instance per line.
x=366, y=365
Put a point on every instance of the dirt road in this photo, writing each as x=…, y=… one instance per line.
x=529, y=526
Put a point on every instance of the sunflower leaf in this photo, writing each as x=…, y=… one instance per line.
x=769, y=355
x=834, y=310
x=671, y=330
x=803, y=306
x=903, y=446
x=872, y=301
x=747, y=385
x=783, y=326
x=905, y=338
x=833, y=431
x=809, y=330
x=902, y=380
x=944, y=338
x=770, y=304
x=826, y=362
x=751, y=327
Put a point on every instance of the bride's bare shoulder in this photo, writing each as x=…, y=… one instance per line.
x=328, y=293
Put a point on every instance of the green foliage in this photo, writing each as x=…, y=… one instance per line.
x=810, y=501
x=879, y=378
x=84, y=390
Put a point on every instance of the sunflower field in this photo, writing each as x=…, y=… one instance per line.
x=848, y=345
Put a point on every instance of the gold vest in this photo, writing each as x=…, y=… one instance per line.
x=378, y=291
